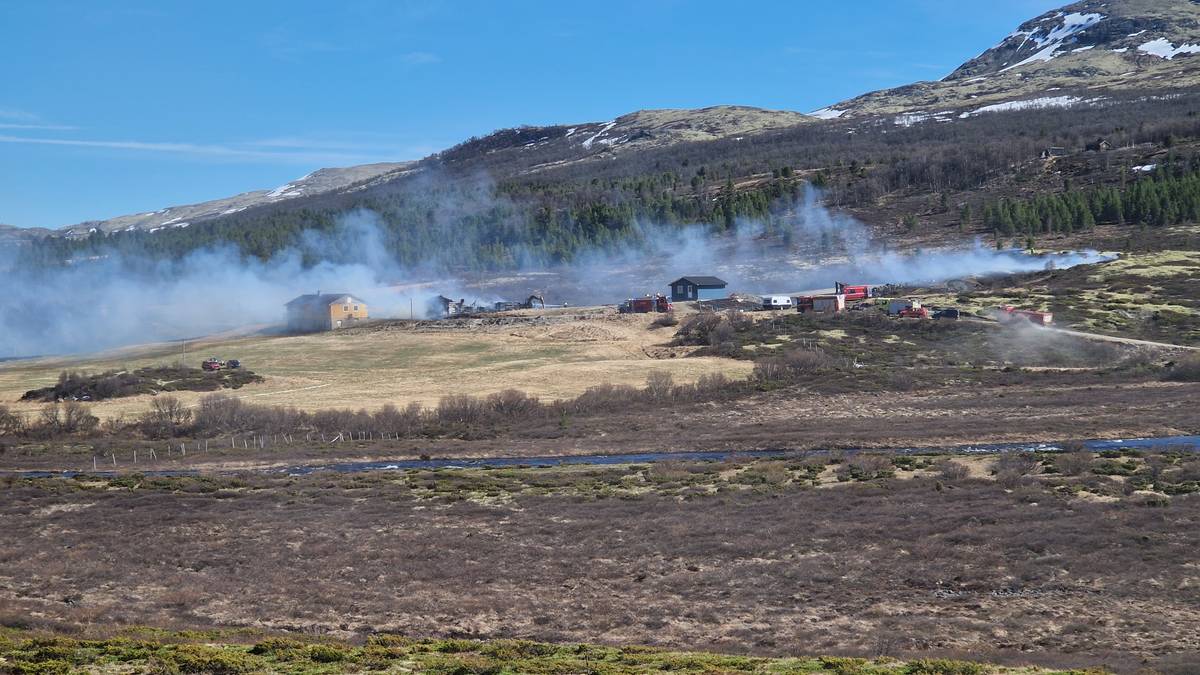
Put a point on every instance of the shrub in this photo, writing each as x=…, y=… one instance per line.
x=511, y=650
x=513, y=403
x=659, y=385
x=462, y=664
x=1185, y=370
x=204, y=659
x=697, y=329
x=844, y=665
x=66, y=418
x=1073, y=463
x=605, y=397
x=280, y=648
x=866, y=467
x=665, y=321
x=944, y=667
x=951, y=470
x=326, y=653
x=167, y=415
x=11, y=423
x=792, y=365
x=459, y=409
x=1011, y=467
x=48, y=667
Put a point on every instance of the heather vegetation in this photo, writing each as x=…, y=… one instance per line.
x=1004, y=543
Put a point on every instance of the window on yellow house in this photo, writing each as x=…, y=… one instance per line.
x=345, y=308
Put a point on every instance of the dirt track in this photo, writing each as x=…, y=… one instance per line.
x=1122, y=340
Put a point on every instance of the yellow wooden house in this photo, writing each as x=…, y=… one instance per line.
x=324, y=311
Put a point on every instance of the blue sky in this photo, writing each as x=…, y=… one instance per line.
x=122, y=107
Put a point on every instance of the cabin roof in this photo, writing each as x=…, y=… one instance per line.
x=701, y=281
x=324, y=299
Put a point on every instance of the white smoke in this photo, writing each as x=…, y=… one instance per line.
x=111, y=301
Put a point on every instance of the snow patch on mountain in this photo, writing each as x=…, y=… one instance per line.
x=1029, y=104
x=827, y=113
x=1049, y=44
x=1164, y=49
x=587, y=142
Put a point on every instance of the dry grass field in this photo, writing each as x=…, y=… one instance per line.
x=395, y=363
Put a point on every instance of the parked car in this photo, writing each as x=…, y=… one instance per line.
x=233, y=363
x=949, y=313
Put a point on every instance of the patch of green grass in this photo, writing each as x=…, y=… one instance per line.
x=180, y=653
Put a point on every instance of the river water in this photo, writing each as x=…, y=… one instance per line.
x=1160, y=444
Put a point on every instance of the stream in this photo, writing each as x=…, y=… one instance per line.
x=1176, y=443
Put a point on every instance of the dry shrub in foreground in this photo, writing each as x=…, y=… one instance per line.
x=951, y=470
x=1073, y=463
x=1184, y=370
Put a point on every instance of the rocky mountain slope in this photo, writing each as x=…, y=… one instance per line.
x=322, y=181
x=1083, y=53
x=639, y=130
x=1086, y=48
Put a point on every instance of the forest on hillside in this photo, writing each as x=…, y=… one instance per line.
x=480, y=206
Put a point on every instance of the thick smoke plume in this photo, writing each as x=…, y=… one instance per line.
x=806, y=248
x=109, y=302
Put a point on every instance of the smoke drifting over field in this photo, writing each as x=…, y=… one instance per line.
x=811, y=250
x=109, y=302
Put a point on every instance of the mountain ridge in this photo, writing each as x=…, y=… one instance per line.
x=1075, y=55
x=1088, y=46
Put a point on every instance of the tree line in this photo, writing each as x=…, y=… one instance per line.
x=1168, y=194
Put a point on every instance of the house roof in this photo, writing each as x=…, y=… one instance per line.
x=324, y=299
x=701, y=281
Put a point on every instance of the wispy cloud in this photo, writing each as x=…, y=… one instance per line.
x=297, y=154
x=18, y=115
x=420, y=58
x=39, y=127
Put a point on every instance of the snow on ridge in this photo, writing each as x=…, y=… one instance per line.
x=1145, y=167
x=829, y=113
x=1164, y=49
x=587, y=143
x=285, y=190
x=1028, y=104
x=1051, y=42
